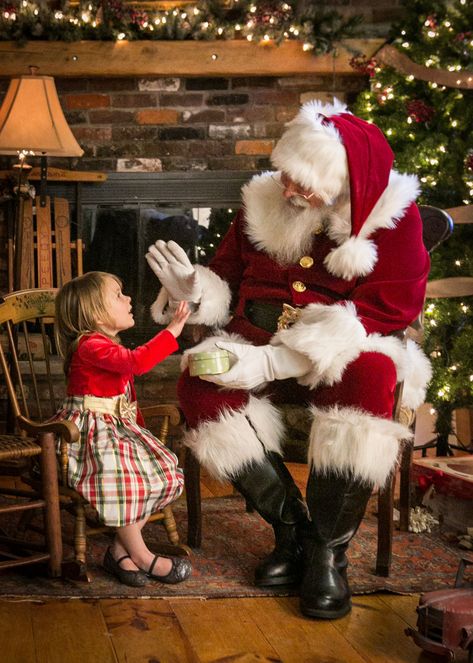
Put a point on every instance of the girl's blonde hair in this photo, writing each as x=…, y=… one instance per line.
x=80, y=304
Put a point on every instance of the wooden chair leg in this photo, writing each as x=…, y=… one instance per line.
x=52, y=518
x=170, y=525
x=405, y=486
x=385, y=529
x=80, y=540
x=193, y=498
x=76, y=569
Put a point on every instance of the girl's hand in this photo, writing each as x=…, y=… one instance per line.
x=179, y=319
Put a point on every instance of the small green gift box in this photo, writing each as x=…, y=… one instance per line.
x=209, y=363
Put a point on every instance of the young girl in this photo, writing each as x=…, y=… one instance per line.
x=117, y=466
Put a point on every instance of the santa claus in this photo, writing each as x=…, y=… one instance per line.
x=319, y=269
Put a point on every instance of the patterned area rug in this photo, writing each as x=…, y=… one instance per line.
x=233, y=543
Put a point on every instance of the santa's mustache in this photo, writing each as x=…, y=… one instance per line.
x=298, y=201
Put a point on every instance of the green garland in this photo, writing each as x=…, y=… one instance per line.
x=112, y=20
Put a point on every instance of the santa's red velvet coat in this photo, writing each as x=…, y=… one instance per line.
x=355, y=283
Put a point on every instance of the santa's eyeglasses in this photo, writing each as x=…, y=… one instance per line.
x=294, y=194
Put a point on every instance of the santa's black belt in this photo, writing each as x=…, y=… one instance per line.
x=264, y=315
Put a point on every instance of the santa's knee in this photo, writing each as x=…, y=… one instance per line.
x=234, y=438
x=368, y=384
x=201, y=400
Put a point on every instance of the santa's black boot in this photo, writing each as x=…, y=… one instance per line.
x=270, y=489
x=336, y=505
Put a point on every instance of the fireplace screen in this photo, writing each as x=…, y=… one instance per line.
x=120, y=218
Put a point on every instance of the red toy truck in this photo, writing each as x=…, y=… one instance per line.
x=445, y=619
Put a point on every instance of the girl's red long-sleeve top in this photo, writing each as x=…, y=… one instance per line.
x=101, y=367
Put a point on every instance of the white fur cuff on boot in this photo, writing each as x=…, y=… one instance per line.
x=353, y=442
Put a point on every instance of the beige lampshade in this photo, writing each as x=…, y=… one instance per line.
x=31, y=118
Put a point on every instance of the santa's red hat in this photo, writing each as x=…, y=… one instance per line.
x=326, y=149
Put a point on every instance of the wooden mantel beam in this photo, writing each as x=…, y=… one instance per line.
x=177, y=58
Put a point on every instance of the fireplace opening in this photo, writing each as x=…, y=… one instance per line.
x=118, y=219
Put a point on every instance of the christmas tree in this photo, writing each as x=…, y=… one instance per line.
x=426, y=112
x=210, y=238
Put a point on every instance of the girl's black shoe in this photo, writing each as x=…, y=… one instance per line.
x=130, y=578
x=181, y=570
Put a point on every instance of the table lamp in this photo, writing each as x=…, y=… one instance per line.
x=32, y=122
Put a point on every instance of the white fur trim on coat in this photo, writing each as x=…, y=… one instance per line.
x=331, y=336
x=351, y=442
x=214, y=309
x=228, y=445
x=417, y=377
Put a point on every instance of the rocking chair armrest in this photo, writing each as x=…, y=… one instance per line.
x=67, y=430
x=163, y=410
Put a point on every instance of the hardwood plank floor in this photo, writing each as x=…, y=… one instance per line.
x=205, y=631
x=245, y=630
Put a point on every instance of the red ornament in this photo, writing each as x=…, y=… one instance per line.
x=469, y=161
x=8, y=8
x=463, y=36
x=138, y=17
x=115, y=8
x=363, y=64
x=419, y=111
x=431, y=22
x=270, y=13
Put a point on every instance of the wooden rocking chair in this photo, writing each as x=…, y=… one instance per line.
x=33, y=374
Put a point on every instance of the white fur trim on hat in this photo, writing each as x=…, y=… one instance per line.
x=355, y=443
x=357, y=256
x=214, y=309
x=228, y=445
x=312, y=153
x=331, y=336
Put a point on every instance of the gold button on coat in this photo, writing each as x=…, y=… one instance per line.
x=306, y=262
x=299, y=286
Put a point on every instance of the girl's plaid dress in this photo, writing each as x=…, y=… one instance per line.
x=118, y=466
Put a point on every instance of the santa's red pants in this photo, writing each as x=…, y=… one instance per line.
x=368, y=384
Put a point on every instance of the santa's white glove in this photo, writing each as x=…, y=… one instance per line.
x=175, y=271
x=257, y=364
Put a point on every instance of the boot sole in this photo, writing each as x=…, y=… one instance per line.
x=316, y=613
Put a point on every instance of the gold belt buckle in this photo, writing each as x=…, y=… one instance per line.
x=288, y=317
